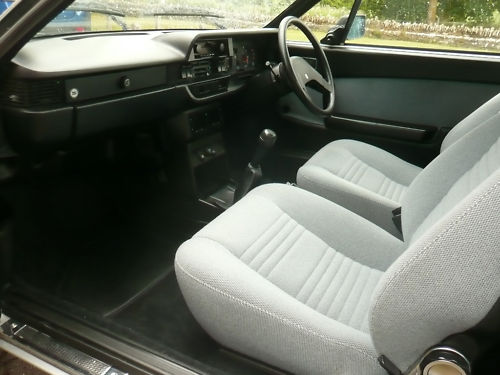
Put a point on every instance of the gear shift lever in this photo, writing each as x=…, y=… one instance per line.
x=253, y=172
x=266, y=141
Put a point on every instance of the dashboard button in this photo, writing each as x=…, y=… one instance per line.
x=210, y=151
x=125, y=82
x=74, y=93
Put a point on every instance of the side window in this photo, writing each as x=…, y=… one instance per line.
x=322, y=17
x=457, y=25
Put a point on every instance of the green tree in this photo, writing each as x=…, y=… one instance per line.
x=397, y=10
x=338, y=3
x=474, y=12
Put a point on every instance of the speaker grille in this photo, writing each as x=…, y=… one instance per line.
x=27, y=93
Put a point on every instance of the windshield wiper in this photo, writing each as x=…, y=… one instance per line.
x=109, y=12
x=188, y=14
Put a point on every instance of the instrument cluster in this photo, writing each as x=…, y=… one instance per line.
x=244, y=55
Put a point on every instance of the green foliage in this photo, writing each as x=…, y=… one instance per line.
x=329, y=13
x=396, y=10
x=471, y=12
x=337, y=3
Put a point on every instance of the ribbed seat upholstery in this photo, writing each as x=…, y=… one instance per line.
x=299, y=282
x=274, y=252
x=370, y=181
x=363, y=178
x=279, y=275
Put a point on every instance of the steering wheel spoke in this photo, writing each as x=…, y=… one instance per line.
x=326, y=86
x=302, y=75
x=306, y=74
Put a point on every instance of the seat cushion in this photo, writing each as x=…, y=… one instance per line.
x=362, y=178
x=274, y=279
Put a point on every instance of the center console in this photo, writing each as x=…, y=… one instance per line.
x=219, y=65
x=205, y=168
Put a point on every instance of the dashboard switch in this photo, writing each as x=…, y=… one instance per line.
x=211, y=151
x=125, y=82
x=202, y=155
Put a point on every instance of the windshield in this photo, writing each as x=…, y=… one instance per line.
x=118, y=15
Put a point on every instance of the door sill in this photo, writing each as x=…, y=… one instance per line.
x=83, y=341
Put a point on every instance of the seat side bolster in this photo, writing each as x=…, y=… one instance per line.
x=372, y=206
x=316, y=175
x=431, y=291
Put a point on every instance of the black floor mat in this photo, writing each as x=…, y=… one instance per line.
x=99, y=238
x=161, y=315
x=104, y=242
x=162, y=309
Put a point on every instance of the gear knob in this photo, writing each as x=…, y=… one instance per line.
x=267, y=139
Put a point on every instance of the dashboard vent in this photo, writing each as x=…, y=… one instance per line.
x=23, y=93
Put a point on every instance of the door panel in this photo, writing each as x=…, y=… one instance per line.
x=403, y=101
x=410, y=101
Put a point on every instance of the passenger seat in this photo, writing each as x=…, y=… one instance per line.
x=370, y=181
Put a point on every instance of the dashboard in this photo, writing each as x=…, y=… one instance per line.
x=61, y=88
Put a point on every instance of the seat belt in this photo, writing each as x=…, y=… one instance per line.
x=396, y=219
x=388, y=366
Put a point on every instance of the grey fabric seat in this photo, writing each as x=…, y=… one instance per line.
x=299, y=282
x=370, y=181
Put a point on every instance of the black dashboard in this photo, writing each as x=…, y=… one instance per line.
x=60, y=88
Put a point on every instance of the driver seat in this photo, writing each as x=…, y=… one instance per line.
x=370, y=181
x=301, y=283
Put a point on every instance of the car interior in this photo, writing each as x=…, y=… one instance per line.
x=230, y=202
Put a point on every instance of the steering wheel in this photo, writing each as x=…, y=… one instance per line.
x=302, y=75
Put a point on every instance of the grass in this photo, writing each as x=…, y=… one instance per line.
x=297, y=35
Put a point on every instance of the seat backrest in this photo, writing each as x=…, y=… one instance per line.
x=476, y=118
x=448, y=279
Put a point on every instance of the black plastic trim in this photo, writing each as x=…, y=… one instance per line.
x=401, y=132
x=26, y=128
x=118, y=83
x=357, y=61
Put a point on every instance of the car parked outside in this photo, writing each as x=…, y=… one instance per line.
x=68, y=21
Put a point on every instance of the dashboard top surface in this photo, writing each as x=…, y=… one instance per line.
x=100, y=52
